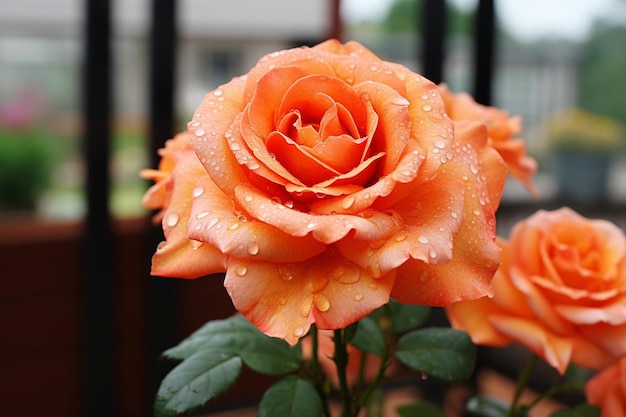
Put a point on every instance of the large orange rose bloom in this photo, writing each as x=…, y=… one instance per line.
x=501, y=129
x=561, y=292
x=327, y=180
x=607, y=390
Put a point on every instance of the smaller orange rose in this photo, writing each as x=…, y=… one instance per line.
x=501, y=129
x=607, y=390
x=560, y=291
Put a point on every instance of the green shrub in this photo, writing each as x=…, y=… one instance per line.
x=25, y=167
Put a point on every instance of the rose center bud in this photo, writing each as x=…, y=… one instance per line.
x=320, y=129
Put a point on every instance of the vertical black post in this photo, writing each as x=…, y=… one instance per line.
x=99, y=346
x=484, y=41
x=163, y=303
x=433, y=39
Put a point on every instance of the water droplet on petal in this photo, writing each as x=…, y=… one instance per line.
x=358, y=297
x=282, y=301
x=198, y=191
x=298, y=332
x=195, y=244
x=285, y=274
x=322, y=303
x=432, y=253
x=199, y=132
x=454, y=215
x=427, y=107
x=423, y=239
x=289, y=204
x=253, y=248
x=400, y=101
x=248, y=198
x=233, y=226
x=202, y=214
x=241, y=270
x=172, y=219
x=400, y=238
x=161, y=245
x=212, y=222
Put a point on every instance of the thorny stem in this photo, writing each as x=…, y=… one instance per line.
x=522, y=381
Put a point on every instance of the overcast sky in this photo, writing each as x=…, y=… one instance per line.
x=527, y=19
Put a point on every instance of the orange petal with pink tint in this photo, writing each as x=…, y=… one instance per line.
x=212, y=123
x=283, y=300
x=327, y=229
x=215, y=219
x=179, y=256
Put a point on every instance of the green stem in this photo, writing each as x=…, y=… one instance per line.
x=522, y=381
x=341, y=361
x=319, y=381
x=384, y=363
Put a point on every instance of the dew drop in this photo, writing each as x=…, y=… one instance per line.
x=248, y=198
x=253, y=248
x=234, y=146
x=440, y=144
x=400, y=101
x=322, y=303
x=199, y=132
x=427, y=107
x=311, y=225
x=423, y=239
x=252, y=165
x=298, y=332
x=218, y=93
x=212, y=222
x=373, y=286
x=400, y=238
x=241, y=270
x=358, y=297
x=172, y=219
x=198, y=191
x=195, y=244
x=202, y=215
x=161, y=245
x=432, y=253
x=476, y=212
x=233, y=226
x=285, y=274
x=282, y=301
x=454, y=215
x=289, y=204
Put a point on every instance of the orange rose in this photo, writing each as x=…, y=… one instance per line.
x=607, y=390
x=325, y=180
x=501, y=129
x=561, y=292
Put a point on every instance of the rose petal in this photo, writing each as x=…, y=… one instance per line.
x=425, y=231
x=211, y=125
x=327, y=229
x=283, y=300
x=179, y=256
x=215, y=220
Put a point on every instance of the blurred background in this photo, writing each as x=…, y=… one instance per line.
x=81, y=320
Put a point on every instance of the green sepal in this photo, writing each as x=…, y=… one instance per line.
x=444, y=353
x=369, y=337
x=198, y=379
x=420, y=409
x=291, y=397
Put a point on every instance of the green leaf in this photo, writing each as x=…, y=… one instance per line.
x=583, y=410
x=229, y=335
x=271, y=356
x=369, y=337
x=407, y=317
x=198, y=379
x=420, y=409
x=576, y=377
x=291, y=397
x=485, y=406
x=441, y=352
